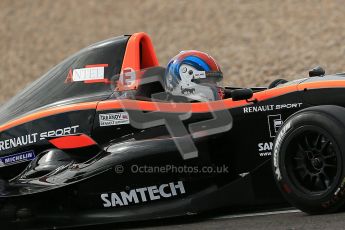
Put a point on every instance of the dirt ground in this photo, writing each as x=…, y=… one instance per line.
x=254, y=41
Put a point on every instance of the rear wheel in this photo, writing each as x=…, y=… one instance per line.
x=308, y=159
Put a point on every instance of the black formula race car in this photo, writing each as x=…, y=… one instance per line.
x=97, y=140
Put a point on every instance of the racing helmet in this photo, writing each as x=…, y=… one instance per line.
x=195, y=75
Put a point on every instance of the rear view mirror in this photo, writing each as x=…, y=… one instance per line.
x=318, y=71
x=241, y=94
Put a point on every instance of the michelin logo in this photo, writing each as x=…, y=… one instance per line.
x=141, y=195
x=111, y=119
x=17, y=158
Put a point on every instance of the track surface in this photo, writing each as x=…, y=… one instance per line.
x=296, y=220
x=288, y=219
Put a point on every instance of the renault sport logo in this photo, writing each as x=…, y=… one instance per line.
x=17, y=158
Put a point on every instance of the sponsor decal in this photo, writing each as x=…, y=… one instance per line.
x=18, y=141
x=34, y=137
x=199, y=74
x=265, y=149
x=141, y=195
x=276, y=149
x=187, y=91
x=265, y=108
x=59, y=132
x=17, y=158
x=110, y=119
x=85, y=74
x=128, y=78
x=274, y=123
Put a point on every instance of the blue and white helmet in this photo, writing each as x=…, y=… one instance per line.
x=193, y=74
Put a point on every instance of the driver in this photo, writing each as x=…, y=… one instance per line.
x=195, y=75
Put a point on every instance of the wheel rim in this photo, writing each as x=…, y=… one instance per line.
x=312, y=161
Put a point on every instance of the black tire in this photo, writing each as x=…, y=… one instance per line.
x=308, y=159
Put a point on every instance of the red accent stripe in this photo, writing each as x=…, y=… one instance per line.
x=169, y=107
x=208, y=59
x=172, y=107
x=48, y=112
x=96, y=65
x=73, y=142
x=139, y=55
x=105, y=80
